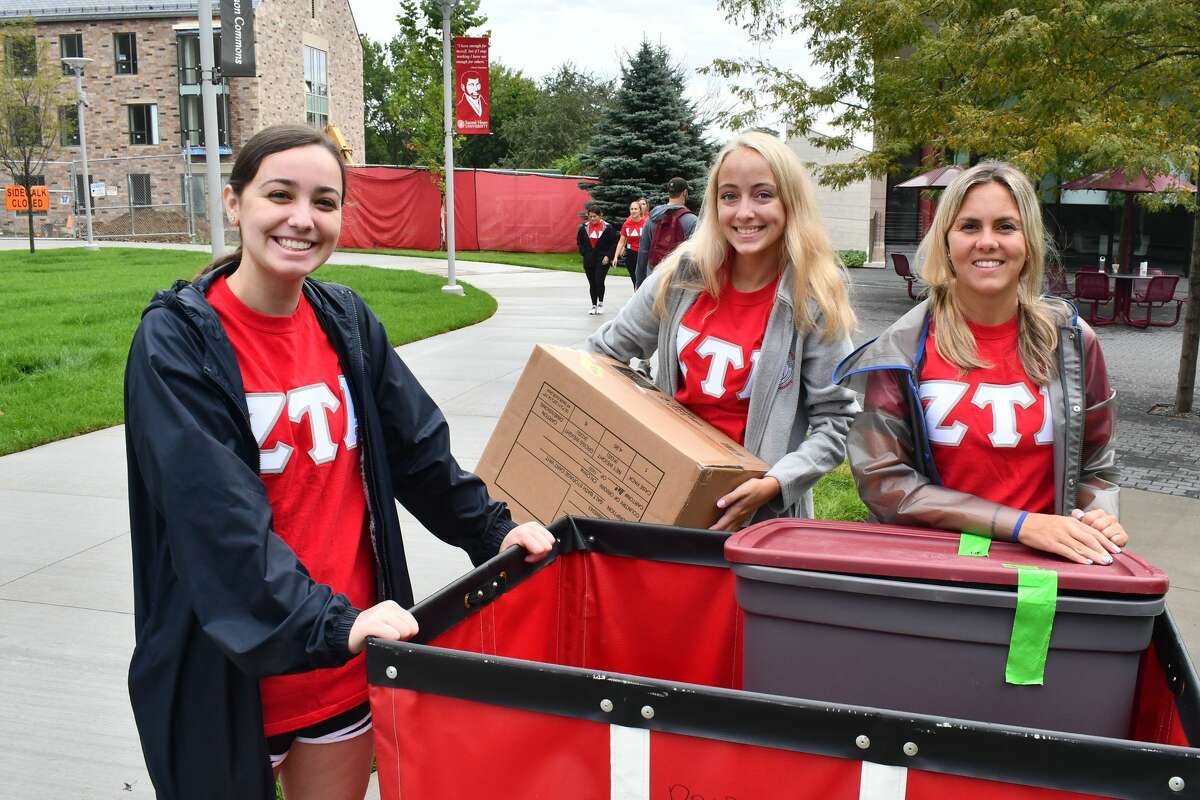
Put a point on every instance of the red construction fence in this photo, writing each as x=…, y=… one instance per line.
x=401, y=207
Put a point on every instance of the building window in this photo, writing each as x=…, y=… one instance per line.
x=68, y=126
x=191, y=116
x=125, y=50
x=139, y=189
x=70, y=45
x=191, y=120
x=143, y=123
x=80, y=201
x=314, y=9
x=21, y=55
x=187, y=57
x=316, y=87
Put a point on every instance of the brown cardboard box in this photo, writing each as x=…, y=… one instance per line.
x=583, y=434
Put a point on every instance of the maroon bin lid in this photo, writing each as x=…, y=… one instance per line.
x=860, y=548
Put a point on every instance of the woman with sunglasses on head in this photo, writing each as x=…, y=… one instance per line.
x=987, y=407
x=749, y=317
x=270, y=430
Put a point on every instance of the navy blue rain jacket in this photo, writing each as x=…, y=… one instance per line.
x=219, y=599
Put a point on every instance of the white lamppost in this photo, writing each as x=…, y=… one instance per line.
x=77, y=63
x=451, y=286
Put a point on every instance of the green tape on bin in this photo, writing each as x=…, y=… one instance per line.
x=1037, y=597
x=973, y=545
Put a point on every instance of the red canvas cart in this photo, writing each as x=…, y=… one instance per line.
x=614, y=670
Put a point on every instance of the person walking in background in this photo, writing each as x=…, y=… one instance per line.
x=270, y=430
x=645, y=204
x=597, y=241
x=987, y=407
x=631, y=237
x=671, y=222
x=749, y=318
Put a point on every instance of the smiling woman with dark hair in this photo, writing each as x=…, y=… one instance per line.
x=270, y=430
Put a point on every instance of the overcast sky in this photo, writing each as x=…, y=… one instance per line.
x=535, y=36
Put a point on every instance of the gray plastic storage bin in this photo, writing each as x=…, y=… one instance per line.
x=940, y=647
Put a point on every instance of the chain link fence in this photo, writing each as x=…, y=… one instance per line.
x=135, y=197
x=145, y=198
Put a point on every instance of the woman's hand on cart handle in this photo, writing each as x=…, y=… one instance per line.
x=387, y=620
x=1065, y=536
x=1107, y=524
x=534, y=537
x=742, y=502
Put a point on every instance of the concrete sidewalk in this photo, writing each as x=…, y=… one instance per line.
x=66, y=624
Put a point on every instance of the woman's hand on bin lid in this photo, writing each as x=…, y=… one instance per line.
x=534, y=537
x=1066, y=537
x=1107, y=524
x=387, y=620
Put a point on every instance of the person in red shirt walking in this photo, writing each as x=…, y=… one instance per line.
x=987, y=407
x=749, y=317
x=597, y=241
x=270, y=430
x=631, y=238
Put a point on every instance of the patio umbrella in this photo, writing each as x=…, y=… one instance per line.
x=937, y=178
x=1118, y=181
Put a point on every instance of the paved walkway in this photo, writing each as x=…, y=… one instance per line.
x=65, y=583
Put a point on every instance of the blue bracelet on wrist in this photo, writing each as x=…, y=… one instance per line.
x=1017, y=528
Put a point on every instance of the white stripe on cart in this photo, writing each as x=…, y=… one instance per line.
x=629, y=763
x=882, y=782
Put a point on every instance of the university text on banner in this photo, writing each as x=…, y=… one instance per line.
x=471, y=112
x=237, y=39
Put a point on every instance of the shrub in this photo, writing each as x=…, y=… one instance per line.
x=853, y=258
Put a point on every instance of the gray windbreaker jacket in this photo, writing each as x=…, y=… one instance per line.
x=797, y=420
x=889, y=446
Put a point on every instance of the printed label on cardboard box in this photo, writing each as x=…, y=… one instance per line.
x=577, y=464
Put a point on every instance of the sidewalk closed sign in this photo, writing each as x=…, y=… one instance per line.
x=15, y=198
x=237, y=38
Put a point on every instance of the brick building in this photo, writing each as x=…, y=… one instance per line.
x=144, y=124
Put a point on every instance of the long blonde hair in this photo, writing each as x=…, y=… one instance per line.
x=816, y=271
x=1037, y=331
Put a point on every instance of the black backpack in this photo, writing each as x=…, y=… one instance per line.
x=667, y=235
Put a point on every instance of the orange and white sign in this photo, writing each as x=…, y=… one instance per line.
x=15, y=198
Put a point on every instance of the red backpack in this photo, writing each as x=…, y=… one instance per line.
x=667, y=235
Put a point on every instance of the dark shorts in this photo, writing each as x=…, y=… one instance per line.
x=339, y=728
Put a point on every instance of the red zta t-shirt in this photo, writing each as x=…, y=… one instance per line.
x=594, y=231
x=303, y=418
x=991, y=430
x=718, y=344
x=632, y=231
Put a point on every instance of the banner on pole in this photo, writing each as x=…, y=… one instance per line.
x=471, y=111
x=237, y=39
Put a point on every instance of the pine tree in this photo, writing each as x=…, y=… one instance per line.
x=648, y=136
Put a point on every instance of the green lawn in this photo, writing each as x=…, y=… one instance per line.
x=565, y=262
x=835, y=497
x=67, y=316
